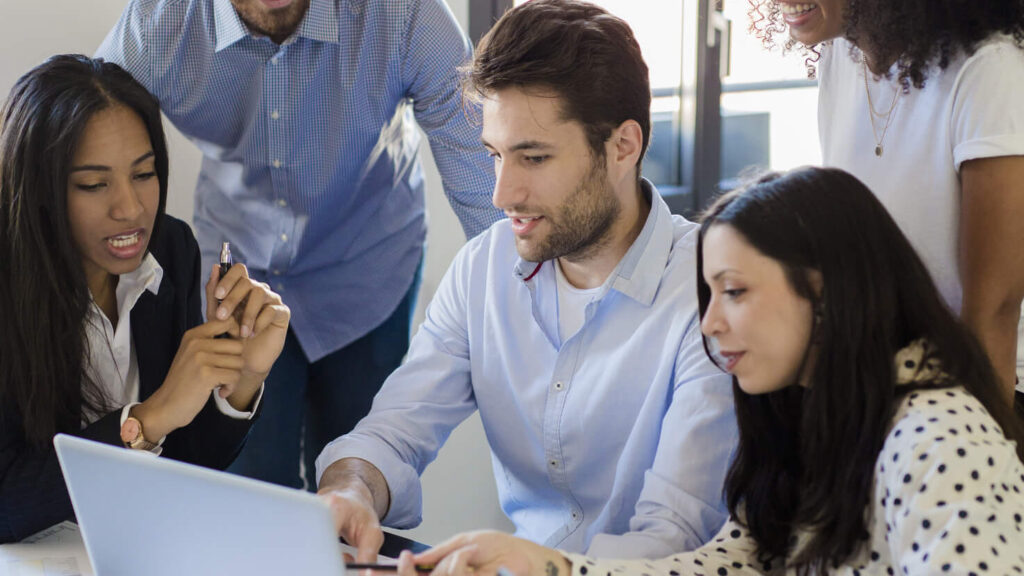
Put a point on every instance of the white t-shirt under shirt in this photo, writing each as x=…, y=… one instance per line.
x=972, y=109
x=572, y=304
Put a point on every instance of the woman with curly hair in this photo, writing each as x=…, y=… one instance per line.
x=922, y=101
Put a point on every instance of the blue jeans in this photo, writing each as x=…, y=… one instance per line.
x=308, y=404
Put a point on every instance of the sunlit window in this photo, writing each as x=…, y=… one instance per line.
x=792, y=115
x=768, y=105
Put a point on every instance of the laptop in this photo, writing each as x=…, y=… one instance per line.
x=141, y=514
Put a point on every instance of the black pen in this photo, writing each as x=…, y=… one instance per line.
x=225, y=266
x=386, y=567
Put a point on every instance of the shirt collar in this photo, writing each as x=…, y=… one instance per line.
x=319, y=24
x=639, y=273
x=228, y=27
x=130, y=287
x=147, y=276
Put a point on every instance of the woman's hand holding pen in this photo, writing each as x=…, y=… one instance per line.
x=261, y=325
x=201, y=364
x=238, y=365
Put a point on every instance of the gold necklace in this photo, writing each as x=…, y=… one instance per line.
x=873, y=114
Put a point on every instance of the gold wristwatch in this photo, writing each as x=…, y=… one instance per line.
x=132, y=436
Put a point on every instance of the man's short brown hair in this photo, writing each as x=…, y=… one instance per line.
x=586, y=56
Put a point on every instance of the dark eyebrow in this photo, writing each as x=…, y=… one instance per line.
x=94, y=167
x=524, y=145
x=720, y=272
x=143, y=158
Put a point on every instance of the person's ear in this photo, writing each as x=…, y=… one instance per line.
x=817, y=283
x=624, y=146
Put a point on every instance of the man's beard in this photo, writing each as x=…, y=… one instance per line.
x=278, y=25
x=582, y=224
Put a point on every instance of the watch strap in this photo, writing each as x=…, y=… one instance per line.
x=133, y=435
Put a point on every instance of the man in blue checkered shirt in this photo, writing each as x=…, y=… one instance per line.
x=304, y=112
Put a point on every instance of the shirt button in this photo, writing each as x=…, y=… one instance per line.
x=284, y=237
x=575, y=515
x=553, y=463
x=273, y=60
x=279, y=287
x=275, y=115
x=559, y=385
x=282, y=202
x=277, y=163
x=277, y=272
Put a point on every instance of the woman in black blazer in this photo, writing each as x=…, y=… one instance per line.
x=100, y=299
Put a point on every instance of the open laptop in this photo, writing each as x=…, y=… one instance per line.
x=140, y=514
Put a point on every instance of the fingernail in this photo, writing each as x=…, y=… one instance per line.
x=222, y=313
x=245, y=331
x=220, y=293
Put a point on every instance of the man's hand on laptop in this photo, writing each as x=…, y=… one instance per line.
x=358, y=497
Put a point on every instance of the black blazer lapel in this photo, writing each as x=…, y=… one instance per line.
x=155, y=335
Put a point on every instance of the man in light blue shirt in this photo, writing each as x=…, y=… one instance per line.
x=572, y=326
x=303, y=110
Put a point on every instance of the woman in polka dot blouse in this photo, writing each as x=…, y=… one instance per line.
x=873, y=440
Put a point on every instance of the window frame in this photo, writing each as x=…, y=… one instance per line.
x=697, y=138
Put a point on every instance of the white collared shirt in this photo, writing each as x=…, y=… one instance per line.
x=112, y=363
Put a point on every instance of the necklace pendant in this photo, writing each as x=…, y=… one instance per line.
x=878, y=150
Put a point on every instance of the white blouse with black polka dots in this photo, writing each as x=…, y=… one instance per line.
x=947, y=500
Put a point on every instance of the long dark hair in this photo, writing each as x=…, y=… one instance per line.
x=800, y=447
x=915, y=34
x=44, y=297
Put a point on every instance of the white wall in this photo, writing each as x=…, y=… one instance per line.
x=459, y=492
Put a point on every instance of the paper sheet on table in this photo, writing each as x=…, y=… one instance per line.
x=56, y=551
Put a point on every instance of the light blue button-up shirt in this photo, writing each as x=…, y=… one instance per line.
x=615, y=441
x=310, y=152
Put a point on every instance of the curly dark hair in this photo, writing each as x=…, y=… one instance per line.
x=915, y=34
